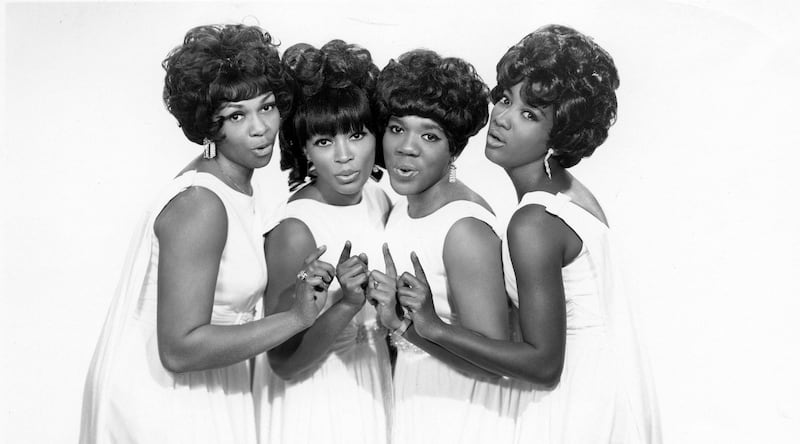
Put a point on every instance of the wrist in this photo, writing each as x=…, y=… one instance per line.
x=301, y=320
x=432, y=331
x=402, y=327
x=350, y=306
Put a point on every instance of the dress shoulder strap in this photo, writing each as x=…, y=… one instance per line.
x=460, y=209
x=562, y=206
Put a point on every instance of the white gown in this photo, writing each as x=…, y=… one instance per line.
x=346, y=397
x=129, y=396
x=434, y=403
x=605, y=394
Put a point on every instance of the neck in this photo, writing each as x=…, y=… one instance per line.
x=431, y=199
x=236, y=176
x=532, y=177
x=328, y=195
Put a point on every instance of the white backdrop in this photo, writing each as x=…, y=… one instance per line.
x=699, y=177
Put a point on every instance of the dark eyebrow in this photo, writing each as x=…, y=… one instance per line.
x=270, y=97
x=432, y=126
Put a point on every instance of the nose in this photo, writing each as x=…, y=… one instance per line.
x=500, y=117
x=259, y=127
x=343, y=152
x=408, y=147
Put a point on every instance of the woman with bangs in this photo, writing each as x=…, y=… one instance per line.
x=172, y=362
x=586, y=380
x=341, y=363
x=442, y=237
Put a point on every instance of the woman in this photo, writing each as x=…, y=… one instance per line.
x=554, y=103
x=431, y=106
x=332, y=382
x=171, y=364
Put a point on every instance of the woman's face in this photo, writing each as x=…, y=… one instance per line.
x=248, y=128
x=417, y=154
x=343, y=164
x=518, y=133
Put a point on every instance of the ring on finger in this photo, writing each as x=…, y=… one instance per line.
x=302, y=275
x=376, y=284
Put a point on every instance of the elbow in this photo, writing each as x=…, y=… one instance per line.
x=173, y=362
x=547, y=375
x=281, y=367
x=550, y=377
x=176, y=359
x=494, y=379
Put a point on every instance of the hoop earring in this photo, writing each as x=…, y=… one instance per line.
x=546, y=162
x=210, y=150
x=451, y=176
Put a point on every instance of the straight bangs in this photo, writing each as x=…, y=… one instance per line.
x=333, y=112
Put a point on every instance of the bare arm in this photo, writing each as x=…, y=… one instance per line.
x=472, y=262
x=192, y=232
x=287, y=244
x=537, y=244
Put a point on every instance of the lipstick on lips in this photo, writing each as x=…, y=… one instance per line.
x=263, y=150
x=348, y=176
x=405, y=171
x=493, y=139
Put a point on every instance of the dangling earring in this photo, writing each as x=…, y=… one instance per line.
x=451, y=177
x=546, y=164
x=210, y=150
x=375, y=169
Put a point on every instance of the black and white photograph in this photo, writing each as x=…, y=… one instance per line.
x=400, y=222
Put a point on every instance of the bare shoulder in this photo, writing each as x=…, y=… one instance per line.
x=466, y=232
x=195, y=210
x=530, y=222
x=290, y=234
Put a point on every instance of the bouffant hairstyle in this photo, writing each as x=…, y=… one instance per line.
x=561, y=67
x=446, y=90
x=218, y=64
x=335, y=94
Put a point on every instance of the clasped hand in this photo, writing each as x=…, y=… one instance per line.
x=411, y=291
x=351, y=271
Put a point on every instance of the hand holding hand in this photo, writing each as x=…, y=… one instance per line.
x=382, y=292
x=311, y=287
x=351, y=271
x=414, y=294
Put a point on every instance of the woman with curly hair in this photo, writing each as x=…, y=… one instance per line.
x=172, y=362
x=442, y=235
x=586, y=379
x=340, y=363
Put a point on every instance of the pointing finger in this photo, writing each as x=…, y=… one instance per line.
x=418, y=270
x=391, y=271
x=345, y=252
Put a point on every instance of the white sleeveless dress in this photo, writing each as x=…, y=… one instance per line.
x=129, y=396
x=434, y=403
x=346, y=397
x=605, y=394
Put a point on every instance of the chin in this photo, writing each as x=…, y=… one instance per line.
x=261, y=162
x=492, y=155
x=403, y=188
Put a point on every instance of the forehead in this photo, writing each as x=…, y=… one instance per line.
x=417, y=122
x=255, y=102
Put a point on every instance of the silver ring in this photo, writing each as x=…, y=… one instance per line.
x=375, y=284
x=303, y=275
